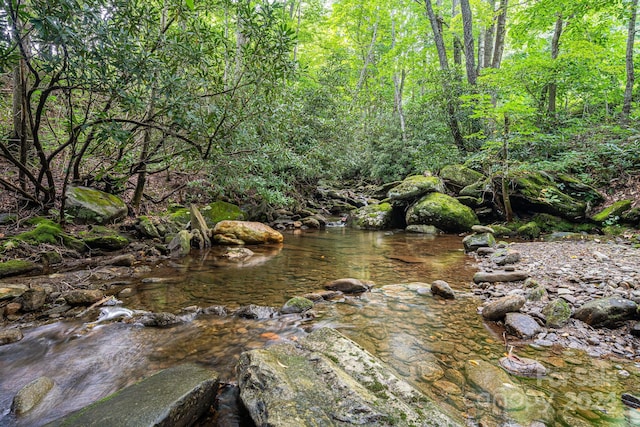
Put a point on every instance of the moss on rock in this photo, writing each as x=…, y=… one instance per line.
x=212, y=213
x=530, y=230
x=443, y=212
x=87, y=205
x=46, y=231
x=15, y=267
x=416, y=186
x=104, y=238
x=372, y=217
x=612, y=213
x=460, y=176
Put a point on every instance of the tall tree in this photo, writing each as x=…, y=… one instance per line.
x=555, y=50
x=452, y=120
x=501, y=31
x=469, y=51
x=631, y=35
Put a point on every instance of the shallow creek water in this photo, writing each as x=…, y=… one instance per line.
x=426, y=340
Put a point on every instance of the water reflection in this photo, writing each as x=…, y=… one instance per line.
x=426, y=340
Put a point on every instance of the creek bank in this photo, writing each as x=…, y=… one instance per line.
x=582, y=294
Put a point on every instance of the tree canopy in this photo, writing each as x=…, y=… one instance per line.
x=264, y=97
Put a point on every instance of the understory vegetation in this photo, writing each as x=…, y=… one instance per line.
x=264, y=100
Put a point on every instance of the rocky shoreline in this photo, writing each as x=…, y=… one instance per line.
x=571, y=274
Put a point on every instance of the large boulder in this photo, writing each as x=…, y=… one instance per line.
x=559, y=195
x=606, y=311
x=443, y=212
x=498, y=309
x=327, y=379
x=247, y=231
x=459, y=176
x=372, y=217
x=91, y=206
x=414, y=187
x=177, y=396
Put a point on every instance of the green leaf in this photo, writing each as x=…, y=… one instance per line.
x=190, y=4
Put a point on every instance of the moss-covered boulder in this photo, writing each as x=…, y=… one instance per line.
x=103, y=238
x=45, y=231
x=530, y=230
x=556, y=313
x=371, y=217
x=612, y=213
x=89, y=206
x=478, y=240
x=247, y=231
x=415, y=186
x=212, y=213
x=544, y=192
x=459, y=176
x=16, y=267
x=443, y=212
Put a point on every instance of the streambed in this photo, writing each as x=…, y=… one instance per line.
x=428, y=341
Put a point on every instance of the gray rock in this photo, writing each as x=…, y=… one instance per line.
x=556, y=313
x=125, y=260
x=31, y=394
x=10, y=291
x=422, y=229
x=178, y=396
x=505, y=257
x=255, y=312
x=160, y=320
x=521, y=325
x=635, y=329
x=442, y=288
x=498, y=309
x=327, y=379
x=33, y=299
x=606, y=311
x=523, y=367
x=478, y=240
x=485, y=251
x=499, y=276
x=8, y=336
x=83, y=296
x=348, y=286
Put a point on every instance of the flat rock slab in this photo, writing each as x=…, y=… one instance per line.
x=177, y=396
x=328, y=380
x=499, y=276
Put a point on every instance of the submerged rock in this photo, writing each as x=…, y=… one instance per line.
x=327, y=379
x=442, y=288
x=31, y=394
x=523, y=367
x=8, y=336
x=348, y=286
x=252, y=311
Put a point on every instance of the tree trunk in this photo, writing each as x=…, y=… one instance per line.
x=628, y=91
x=488, y=38
x=457, y=44
x=469, y=50
x=555, y=49
x=452, y=120
x=481, y=38
x=501, y=30
x=398, y=87
x=506, y=201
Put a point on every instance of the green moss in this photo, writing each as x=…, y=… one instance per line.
x=46, y=231
x=15, y=267
x=212, y=213
x=371, y=217
x=612, y=213
x=530, y=230
x=103, y=238
x=539, y=189
x=460, y=175
x=442, y=211
x=416, y=186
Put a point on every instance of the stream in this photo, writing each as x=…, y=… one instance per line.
x=426, y=340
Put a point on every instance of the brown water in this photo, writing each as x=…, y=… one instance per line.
x=425, y=340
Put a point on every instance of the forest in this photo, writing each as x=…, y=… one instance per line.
x=262, y=100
